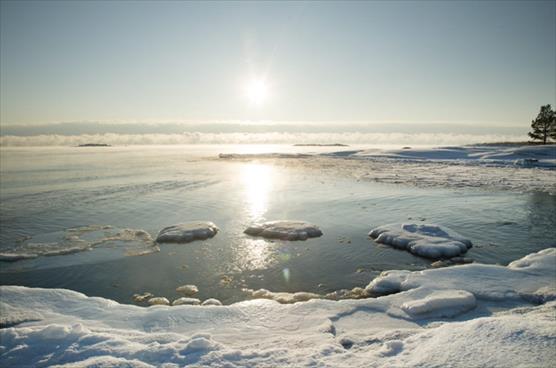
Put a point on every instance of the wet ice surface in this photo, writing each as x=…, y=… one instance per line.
x=48, y=191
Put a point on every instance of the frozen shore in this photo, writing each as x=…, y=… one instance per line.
x=464, y=316
x=494, y=167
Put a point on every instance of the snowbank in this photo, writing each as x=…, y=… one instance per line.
x=539, y=155
x=425, y=240
x=461, y=316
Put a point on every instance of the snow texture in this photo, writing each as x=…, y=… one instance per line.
x=285, y=230
x=425, y=240
x=187, y=232
x=472, y=315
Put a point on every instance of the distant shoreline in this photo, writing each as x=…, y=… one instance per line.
x=95, y=145
x=320, y=145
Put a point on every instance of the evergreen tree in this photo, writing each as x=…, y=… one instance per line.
x=544, y=126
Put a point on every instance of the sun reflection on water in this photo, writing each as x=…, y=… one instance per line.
x=258, y=181
x=256, y=254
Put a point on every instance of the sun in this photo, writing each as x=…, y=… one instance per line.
x=256, y=91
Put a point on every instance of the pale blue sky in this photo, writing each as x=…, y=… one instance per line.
x=471, y=62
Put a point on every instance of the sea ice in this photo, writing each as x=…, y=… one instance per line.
x=426, y=240
x=187, y=232
x=285, y=230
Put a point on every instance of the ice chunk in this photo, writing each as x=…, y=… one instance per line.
x=442, y=303
x=211, y=301
x=284, y=229
x=187, y=290
x=186, y=301
x=187, y=232
x=158, y=301
x=425, y=240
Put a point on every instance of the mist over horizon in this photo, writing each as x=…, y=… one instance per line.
x=140, y=133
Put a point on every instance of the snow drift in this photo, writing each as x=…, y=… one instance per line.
x=461, y=316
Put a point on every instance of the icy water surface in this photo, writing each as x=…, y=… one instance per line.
x=64, y=197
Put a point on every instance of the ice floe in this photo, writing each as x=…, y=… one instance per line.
x=425, y=240
x=285, y=230
x=187, y=232
x=462, y=316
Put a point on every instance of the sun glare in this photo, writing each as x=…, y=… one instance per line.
x=256, y=91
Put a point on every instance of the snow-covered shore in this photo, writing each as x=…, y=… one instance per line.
x=493, y=167
x=464, y=316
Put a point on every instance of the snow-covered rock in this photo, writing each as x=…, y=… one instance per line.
x=186, y=301
x=211, y=301
x=140, y=298
x=282, y=297
x=187, y=290
x=284, y=229
x=158, y=301
x=425, y=240
x=187, y=232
